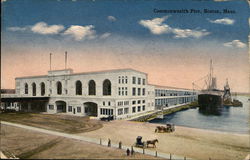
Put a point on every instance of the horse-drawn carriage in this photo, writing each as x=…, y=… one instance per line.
x=169, y=128
x=139, y=142
x=144, y=144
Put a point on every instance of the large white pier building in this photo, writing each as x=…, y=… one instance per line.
x=121, y=93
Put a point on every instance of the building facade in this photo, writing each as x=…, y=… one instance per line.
x=122, y=93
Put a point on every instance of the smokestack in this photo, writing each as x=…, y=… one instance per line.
x=66, y=60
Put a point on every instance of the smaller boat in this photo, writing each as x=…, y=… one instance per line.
x=227, y=99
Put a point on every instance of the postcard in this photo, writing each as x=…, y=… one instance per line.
x=125, y=79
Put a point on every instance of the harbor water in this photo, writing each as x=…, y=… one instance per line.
x=226, y=119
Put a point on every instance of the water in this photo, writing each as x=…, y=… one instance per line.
x=228, y=119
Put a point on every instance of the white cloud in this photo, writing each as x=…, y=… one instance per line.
x=81, y=32
x=226, y=21
x=105, y=35
x=184, y=33
x=156, y=26
x=14, y=29
x=235, y=43
x=111, y=18
x=43, y=28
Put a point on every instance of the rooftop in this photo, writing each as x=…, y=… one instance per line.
x=83, y=73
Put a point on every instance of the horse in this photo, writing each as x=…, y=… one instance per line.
x=160, y=129
x=152, y=142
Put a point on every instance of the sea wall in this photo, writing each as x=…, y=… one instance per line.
x=166, y=111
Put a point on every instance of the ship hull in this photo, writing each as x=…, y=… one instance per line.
x=209, y=101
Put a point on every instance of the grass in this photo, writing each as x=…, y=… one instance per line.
x=38, y=149
x=64, y=123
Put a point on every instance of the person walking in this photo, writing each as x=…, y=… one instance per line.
x=128, y=152
x=109, y=143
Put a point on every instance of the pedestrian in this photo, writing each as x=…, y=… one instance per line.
x=120, y=145
x=109, y=143
x=128, y=152
x=132, y=151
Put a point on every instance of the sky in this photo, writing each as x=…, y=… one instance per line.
x=172, y=41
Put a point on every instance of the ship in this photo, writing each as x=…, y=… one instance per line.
x=210, y=98
x=227, y=98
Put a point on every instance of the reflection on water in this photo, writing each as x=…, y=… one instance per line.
x=225, y=118
x=211, y=111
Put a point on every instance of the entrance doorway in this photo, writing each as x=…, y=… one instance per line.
x=61, y=106
x=90, y=108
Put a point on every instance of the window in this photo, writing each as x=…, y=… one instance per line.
x=133, y=102
x=51, y=107
x=139, y=102
x=106, y=87
x=133, y=91
x=126, y=91
x=26, y=88
x=143, y=91
x=122, y=79
x=139, y=108
x=92, y=88
x=122, y=90
x=78, y=109
x=139, y=91
x=69, y=108
x=143, y=107
x=143, y=101
x=119, y=80
x=78, y=88
x=42, y=85
x=134, y=109
x=119, y=91
x=103, y=103
x=143, y=81
x=109, y=103
x=59, y=87
x=126, y=79
x=139, y=80
x=126, y=110
x=126, y=102
x=134, y=80
x=120, y=111
x=33, y=89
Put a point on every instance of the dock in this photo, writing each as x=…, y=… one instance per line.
x=147, y=116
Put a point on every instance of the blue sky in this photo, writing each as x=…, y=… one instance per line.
x=125, y=28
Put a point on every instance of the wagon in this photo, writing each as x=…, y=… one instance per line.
x=139, y=142
x=162, y=129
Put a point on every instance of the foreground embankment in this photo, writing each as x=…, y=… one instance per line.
x=25, y=143
x=190, y=142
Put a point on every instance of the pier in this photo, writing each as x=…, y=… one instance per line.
x=144, y=117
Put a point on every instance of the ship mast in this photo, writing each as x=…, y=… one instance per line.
x=210, y=75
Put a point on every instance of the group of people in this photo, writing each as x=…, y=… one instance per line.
x=120, y=146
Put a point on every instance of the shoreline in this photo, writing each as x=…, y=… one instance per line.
x=209, y=130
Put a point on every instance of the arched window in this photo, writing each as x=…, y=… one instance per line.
x=26, y=89
x=42, y=85
x=33, y=89
x=92, y=87
x=106, y=88
x=59, y=87
x=78, y=88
